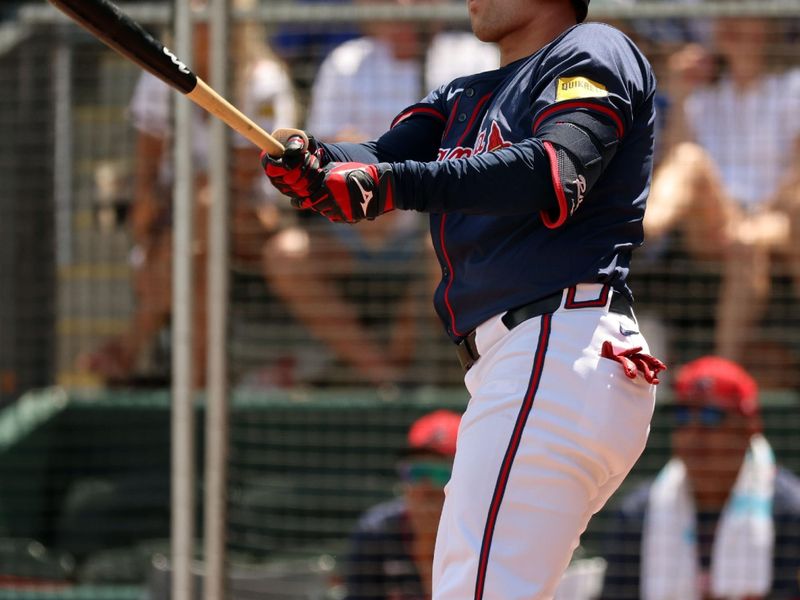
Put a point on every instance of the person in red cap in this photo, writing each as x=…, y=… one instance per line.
x=391, y=548
x=721, y=519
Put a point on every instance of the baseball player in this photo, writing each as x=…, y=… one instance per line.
x=535, y=177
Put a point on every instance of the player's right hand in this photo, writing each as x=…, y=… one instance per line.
x=299, y=171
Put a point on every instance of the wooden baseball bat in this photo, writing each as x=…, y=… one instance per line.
x=110, y=25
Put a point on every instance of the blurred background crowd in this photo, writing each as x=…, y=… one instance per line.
x=86, y=274
x=322, y=411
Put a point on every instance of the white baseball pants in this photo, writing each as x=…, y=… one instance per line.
x=550, y=432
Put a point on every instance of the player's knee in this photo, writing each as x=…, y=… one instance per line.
x=285, y=256
x=290, y=245
x=693, y=159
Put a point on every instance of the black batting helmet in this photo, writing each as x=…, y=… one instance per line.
x=581, y=8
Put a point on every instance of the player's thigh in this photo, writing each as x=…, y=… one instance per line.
x=588, y=396
x=573, y=401
x=526, y=482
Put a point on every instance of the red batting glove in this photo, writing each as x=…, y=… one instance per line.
x=298, y=171
x=351, y=192
x=634, y=361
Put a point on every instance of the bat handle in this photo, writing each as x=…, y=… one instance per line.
x=207, y=98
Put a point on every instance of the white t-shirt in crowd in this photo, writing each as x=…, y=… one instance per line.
x=361, y=86
x=749, y=133
x=268, y=100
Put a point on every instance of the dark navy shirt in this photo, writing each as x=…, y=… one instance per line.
x=469, y=155
x=379, y=564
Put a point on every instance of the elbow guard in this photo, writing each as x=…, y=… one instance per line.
x=580, y=146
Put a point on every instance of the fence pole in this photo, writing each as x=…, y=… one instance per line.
x=217, y=398
x=183, y=443
x=62, y=147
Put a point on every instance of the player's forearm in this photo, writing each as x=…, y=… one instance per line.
x=350, y=152
x=511, y=181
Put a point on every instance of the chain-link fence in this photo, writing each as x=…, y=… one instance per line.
x=87, y=295
x=333, y=347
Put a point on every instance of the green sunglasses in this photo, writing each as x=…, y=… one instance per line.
x=437, y=473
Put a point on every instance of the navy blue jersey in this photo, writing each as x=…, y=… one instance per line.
x=474, y=154
x=379, y=565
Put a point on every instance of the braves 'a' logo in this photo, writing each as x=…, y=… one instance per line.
x=485, y=143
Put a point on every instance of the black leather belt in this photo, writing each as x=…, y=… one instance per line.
x=468, y=352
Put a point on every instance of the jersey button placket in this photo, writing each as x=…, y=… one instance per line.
x=469, y=92
x=462, y=117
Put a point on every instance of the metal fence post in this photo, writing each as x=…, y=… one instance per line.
x=217, y=321
x=183, y=443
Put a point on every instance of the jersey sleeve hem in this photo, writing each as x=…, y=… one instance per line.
x=426, y=111
x=563, y=210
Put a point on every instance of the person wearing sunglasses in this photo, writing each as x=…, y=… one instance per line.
x=391, y=548
x=721, y=519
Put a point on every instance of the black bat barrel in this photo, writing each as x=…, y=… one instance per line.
x=108, y=23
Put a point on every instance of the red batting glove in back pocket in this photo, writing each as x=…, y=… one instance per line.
x=634, y=361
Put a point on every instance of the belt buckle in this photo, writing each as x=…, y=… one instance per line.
x=467, y=351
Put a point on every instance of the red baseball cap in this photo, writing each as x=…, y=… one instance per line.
x=435, y=432
x=718, y=381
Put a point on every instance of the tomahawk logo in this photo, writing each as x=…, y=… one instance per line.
x=176, y=61
x=367, y=196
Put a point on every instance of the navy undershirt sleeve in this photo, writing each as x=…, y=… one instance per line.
x=510, y=181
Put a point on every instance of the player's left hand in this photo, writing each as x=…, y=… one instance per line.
x=351, y=192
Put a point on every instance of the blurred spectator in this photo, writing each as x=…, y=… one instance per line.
x=670, y=32
x=659, y=39
x=304, y=45
x=721, y=520
x=728, y=180
x=262, y=89
x=391, y=548
x=656, y=263
x=363, y=83
x=368, y=276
